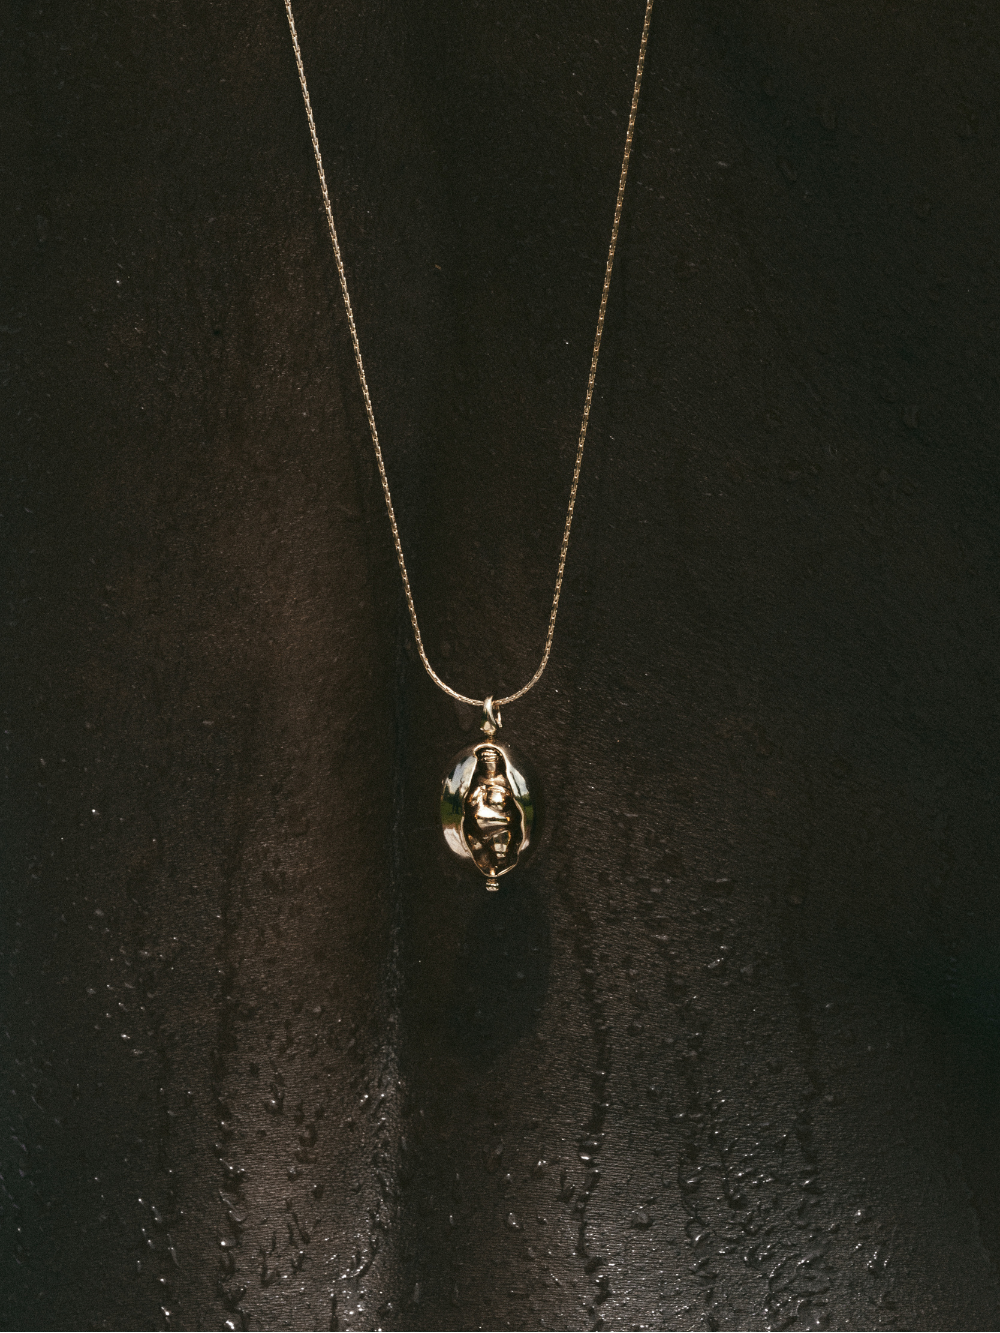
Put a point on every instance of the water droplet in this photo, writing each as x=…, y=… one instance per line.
x=877, y=1263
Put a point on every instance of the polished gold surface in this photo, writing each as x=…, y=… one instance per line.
x=488, y=811
x=590, y=379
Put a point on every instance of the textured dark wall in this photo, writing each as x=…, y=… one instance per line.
x=725, y=1055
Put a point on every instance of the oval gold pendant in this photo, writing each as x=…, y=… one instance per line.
x=488, y=812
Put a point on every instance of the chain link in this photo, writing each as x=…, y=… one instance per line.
x=462, y=698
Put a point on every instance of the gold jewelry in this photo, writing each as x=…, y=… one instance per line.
x=487, y=810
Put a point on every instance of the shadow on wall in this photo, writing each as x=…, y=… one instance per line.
x=502, y=975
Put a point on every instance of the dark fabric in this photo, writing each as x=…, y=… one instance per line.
x=724, y=1054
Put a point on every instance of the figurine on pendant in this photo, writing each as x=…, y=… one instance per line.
x=492, y=824
x=487, y=809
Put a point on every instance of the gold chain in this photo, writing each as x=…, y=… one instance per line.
x=478, y=703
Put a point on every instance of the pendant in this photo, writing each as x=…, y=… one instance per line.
x=488, y=812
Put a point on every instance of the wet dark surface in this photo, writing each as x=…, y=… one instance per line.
x=725, y=1053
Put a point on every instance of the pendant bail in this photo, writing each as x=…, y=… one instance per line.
x=491, y=716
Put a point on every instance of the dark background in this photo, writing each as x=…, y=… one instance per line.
x=725, y=1054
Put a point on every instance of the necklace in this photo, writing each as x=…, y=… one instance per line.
x=489, y=807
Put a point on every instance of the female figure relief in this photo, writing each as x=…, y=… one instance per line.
x=492, y=824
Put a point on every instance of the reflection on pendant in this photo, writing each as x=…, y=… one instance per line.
x=488, y=812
